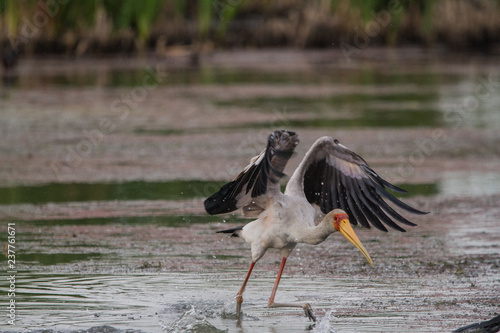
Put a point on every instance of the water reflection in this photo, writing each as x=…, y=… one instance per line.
x=298, y=103
x=80, y=192
x=159, y=220
x=164, y=302
x=210, y=75
x=427, y=95
x=57, y=258
x=363, y=118
x=469, y=184
x=351, y=110
x=136, y=190
x=124, y=302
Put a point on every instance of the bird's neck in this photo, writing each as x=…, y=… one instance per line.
x=317, y=234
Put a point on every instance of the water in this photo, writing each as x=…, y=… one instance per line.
x=82, y=192
x=470, y=184
x=418, y=94
x=123, y=242
x=143, y=275
x=130, y=73
x=176, y=302
x=460, y=184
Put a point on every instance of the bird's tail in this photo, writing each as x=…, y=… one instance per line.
x=233, y=231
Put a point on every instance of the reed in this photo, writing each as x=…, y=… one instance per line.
x=108, y=25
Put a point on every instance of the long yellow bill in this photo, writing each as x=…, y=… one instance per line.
x=346, y=230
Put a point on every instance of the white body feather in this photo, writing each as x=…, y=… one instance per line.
x=286, y=221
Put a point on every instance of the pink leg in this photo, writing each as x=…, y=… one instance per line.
x=277, y=282
x=307, y=307
x=239, y=295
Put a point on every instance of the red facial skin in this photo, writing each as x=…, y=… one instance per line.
x=339, y=217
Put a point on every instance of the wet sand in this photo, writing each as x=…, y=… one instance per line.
x=437, y=276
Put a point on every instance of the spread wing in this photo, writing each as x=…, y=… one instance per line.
x=332, y=176
x=250, y=189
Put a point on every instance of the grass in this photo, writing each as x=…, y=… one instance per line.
x=107, y=25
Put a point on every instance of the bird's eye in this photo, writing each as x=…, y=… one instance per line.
x=335, y=218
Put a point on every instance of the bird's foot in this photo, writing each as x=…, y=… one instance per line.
x=309, y=312
x=306, y=307
x=239, y=301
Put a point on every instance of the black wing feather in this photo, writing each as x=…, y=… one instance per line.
x=380, y=181
x=377, y=199
x=373, y=198
x=336, y=177
x=265, y=170
x=352, y=200
x=369, y=210
x=343, y=195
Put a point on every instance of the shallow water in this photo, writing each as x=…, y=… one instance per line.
x=457, y=183
x=424, y=92
x=177, y=301
x=81, y=192
x=131, y=73
x=122, y=240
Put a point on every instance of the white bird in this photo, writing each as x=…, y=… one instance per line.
x=331, y=189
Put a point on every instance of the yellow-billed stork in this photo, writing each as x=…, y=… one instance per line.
x=331, y=189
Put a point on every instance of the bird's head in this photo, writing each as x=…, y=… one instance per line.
x=341, y=223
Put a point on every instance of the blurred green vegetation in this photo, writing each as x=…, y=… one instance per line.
x=128, y=25
x=136, y=190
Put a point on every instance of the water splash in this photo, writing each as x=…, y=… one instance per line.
x=192, y=321
x=228, y=310
x=324, y=324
